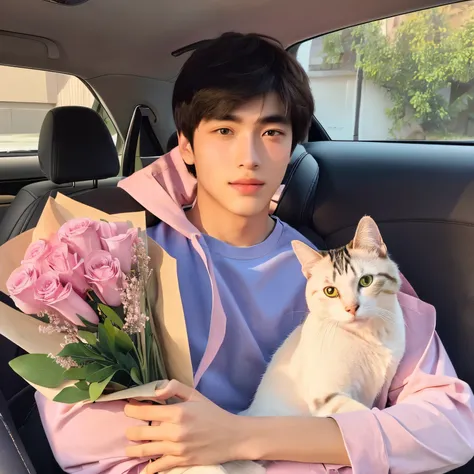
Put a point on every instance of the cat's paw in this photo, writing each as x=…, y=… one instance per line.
x=351, y=405
x=234, y=467
x=338, y=403
x=244, y=467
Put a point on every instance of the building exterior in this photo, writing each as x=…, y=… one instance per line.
x=26, y=95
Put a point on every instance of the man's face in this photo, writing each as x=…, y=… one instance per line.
x=241, y=159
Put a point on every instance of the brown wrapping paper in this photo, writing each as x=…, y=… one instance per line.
x=167, y=317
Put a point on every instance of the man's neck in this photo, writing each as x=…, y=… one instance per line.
x=234, y=230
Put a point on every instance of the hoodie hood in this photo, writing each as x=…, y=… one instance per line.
x=163, y=188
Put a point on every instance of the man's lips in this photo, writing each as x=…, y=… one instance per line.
x=254, y=182
x=247, y=186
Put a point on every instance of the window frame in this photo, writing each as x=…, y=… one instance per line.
x=97, y=106
x=317, y=130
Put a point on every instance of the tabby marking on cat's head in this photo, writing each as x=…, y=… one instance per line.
x=352, y=283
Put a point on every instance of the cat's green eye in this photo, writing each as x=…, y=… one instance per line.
x=366, y=281
x=331, y=292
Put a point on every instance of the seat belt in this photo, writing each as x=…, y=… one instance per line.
x=140, y=129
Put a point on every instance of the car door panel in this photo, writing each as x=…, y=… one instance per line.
x=5, y=201
x=16, y=171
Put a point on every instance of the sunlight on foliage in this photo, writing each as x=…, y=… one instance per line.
x=416, y=64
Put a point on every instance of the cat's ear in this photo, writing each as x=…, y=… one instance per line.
x=306, y=255
x=368, y=237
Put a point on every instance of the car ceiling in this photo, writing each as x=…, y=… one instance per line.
x=137, y=37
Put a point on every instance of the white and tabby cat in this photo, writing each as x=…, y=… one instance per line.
x=349, y=345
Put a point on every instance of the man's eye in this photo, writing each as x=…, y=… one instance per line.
x=224, y=131
x=273, y=133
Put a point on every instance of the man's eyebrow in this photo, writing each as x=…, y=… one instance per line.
x=276, y=118
x=268, y=119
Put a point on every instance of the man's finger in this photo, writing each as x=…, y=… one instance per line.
x=152, y=449
x=139, y=403
x=159, y=413
x=175, y=389
x=162, y=432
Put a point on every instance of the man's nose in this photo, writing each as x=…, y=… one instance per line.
x=249, y=154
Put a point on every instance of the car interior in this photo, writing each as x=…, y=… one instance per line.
x=421, y=193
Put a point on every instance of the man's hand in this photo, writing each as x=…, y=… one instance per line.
x=193, y=432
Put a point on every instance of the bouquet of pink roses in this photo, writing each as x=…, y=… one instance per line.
x=88, y=282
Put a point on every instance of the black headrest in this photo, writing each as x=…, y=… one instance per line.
x=296, y=203
x=75, y=145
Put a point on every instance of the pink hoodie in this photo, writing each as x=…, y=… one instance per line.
x=423, y=420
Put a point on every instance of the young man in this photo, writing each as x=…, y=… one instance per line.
x=241, y=103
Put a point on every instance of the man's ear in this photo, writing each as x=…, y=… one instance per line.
x=185, y=149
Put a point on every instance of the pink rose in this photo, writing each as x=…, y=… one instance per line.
x=112, y=229
x=103, y=273
x=20, y=286
x=80, y=235
x=121, y=246
x=36, y=253
x=50, y=291
x=69, y=267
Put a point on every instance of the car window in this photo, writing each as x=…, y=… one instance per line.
x=409, y=77
x=26, y=95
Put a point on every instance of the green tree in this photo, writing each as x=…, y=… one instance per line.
x=423, y=56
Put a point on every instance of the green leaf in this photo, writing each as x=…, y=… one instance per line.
x=82, y=385
x=75, y=373
x=109, y=327
x=123, y=341
x=135, y=376
x=94, y=367
x=111, y=315
x=126, y=361
x=71, y=395
x=90, y=337
x=96, y=388
x=79, y=351
x=106, y=342
x=38, y=369
x=102, y=373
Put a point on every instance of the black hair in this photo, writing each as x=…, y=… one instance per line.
x=234, y=68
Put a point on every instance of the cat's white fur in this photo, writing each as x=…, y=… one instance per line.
x=336, y=361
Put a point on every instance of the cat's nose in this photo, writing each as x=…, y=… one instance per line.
x=352, y=309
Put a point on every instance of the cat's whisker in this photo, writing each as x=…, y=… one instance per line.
x=335, y=328
x=385, y=314
x=327, y=337
x=332, y=329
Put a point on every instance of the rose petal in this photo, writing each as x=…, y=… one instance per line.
x=81, y=236
x=121, y=247
x=20, y=286
x=69, y=304
x=103, y=273
x=36, y=253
